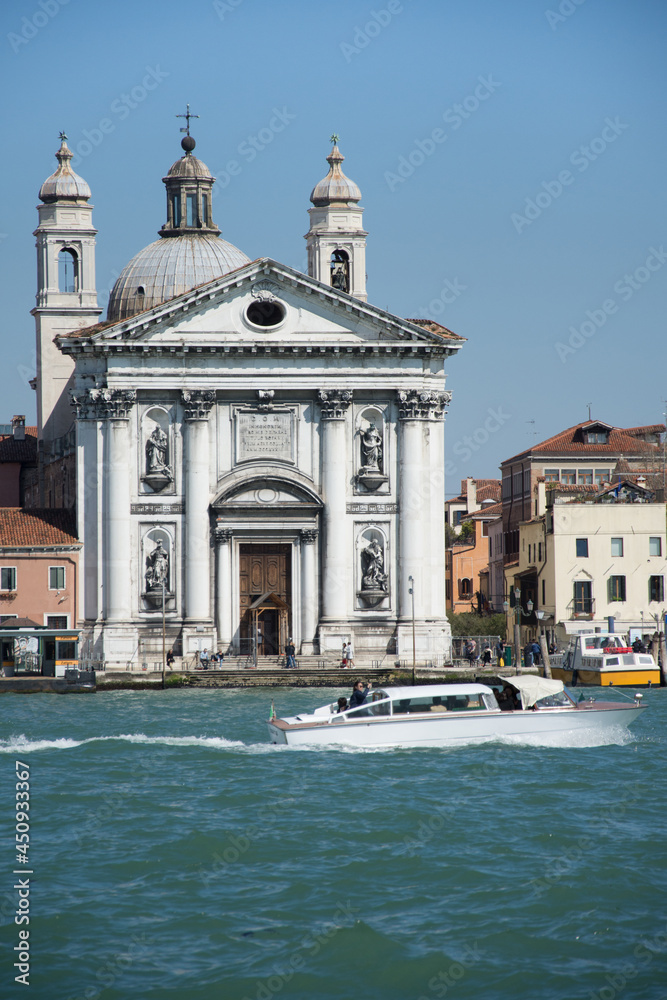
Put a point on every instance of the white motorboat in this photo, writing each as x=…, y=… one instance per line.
x=446, y=714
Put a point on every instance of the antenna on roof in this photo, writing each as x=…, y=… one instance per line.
x=589, y=410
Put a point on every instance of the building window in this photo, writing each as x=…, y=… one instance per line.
x=596, y=437
x=507, y=488
x=551, y=475
x=583, y=597
x=56, y=577
x=602, y=476
x=582, y=548
x=539, y=551
x=617, y=546
x=526, y=481
x=68, y=271
x=465, y=587
x=176, y=210
x=191, y=209
x=8, y=578
x=655, y=545
x=656, y=588
x=585, y=477
x=517, y=484
x=568, y=477
x=544, y=592
x=616, y=585
x=56, y=621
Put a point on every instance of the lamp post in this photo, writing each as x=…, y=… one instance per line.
x=412, y=596
x=517, y=622
x=164, y=655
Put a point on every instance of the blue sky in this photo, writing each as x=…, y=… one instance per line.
x=511, y=157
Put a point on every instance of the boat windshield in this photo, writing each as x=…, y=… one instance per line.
x=560, y=699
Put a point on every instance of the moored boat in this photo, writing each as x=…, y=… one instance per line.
x=447, y=714
x=602, y=659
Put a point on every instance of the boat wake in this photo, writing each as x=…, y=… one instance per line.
x=22, y=744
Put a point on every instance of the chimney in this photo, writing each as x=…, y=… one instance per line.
x=18, y=427
x=471, y=495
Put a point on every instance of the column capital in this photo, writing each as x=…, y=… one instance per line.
x=103, y=403
x=197, y=403
x=308, y=535
x=334, y=403
x=416, y=404
x=222, y=534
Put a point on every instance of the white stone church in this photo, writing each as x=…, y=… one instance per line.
x=259, y=448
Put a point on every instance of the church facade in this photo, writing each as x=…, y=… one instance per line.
x=259, y=452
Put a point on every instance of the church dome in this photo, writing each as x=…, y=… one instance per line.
x=64, y=184
x=335, y=188
x=189, y=166
x=170, y=267
x=189, y=251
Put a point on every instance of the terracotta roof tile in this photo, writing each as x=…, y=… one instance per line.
x=14, y=450
x=20, y=527
x=570, y=442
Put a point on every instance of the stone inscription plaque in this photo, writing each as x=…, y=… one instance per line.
x=264, y=435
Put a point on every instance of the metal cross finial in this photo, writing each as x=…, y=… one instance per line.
x=188, y=115
x=62, y=137
x=334, y=139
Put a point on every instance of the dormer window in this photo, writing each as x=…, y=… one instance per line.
x=596, y=437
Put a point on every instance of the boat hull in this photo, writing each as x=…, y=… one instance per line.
x=587, y=677
x=454, y=728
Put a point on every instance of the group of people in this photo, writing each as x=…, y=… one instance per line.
x=471, y=654
x=205, y=659
x=346, y=660
x=357, y=698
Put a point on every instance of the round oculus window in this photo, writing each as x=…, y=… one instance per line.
x=265, y=313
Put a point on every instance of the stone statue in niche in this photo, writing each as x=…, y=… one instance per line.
x=371, y=474
x=373, y=577
x=157, y=452
x=371, y=450
x=157, y=568
x=158, y=470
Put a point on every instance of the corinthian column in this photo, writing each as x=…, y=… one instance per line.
x=334, y=404
x=115, y=405
x=196, y=408
x=223, y=574
x=420, y=488
x=309, y=591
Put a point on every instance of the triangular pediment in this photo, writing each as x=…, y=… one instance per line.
x=263, y=303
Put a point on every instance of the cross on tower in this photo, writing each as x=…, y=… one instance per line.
x=188, y=115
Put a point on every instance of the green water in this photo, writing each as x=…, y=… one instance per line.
x=177, y=854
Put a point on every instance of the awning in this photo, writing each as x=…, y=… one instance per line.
x=533, y=688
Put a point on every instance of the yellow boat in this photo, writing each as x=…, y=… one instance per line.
x=602, y=660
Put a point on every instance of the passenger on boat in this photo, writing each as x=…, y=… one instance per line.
x=359, y=693
x=638, y=646
x=508, y=701
x=342, y=704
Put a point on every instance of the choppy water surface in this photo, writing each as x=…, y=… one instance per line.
x=177, y=854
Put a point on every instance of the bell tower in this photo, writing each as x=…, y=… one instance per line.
x=336, y=240
x=66, y=295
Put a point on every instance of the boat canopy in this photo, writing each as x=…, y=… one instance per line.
x=533, y=688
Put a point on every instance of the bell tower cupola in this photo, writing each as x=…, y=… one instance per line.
x=189, y=187
x=336, y=239
x=66, y=294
